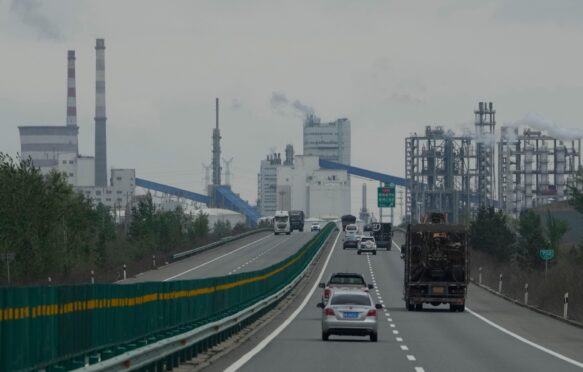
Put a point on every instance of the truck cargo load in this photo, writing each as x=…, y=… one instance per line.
x=436, y=264
x=381, y=231
x=296, y=219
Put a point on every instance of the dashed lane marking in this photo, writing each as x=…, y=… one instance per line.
x=411, y=357
x=399, y=339
x=404, y=347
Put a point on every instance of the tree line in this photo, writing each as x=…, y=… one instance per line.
x=52, y=230
x=493, y=232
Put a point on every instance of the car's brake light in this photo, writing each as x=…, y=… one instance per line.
x=372, y=312
x=327, y=292
x=328, y=311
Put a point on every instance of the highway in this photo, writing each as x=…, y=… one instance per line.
x=432, y=340
x=250, y=253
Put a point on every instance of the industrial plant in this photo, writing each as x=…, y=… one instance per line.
x=456, y=174
x=57, y=147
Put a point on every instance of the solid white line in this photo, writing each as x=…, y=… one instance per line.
x=396, y=246
x=215, y=259
x=528, y=342
x=411, y=358
x=245, y=358
x=404, y=347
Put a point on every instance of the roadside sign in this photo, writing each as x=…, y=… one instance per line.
x=386, y=196
x=547, y=254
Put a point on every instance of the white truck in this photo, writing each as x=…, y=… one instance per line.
x=281, y=223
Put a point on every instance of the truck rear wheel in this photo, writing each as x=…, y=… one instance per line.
x=461, y=308
x=419, y=307
x=410, y=306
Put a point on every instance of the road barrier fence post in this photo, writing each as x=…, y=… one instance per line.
x=154, y=261
x=480, y=275
x=566, y=305
x=500, y=284
x=526, y=293
x=50, y=280
x=125, y=272
x=92, y=277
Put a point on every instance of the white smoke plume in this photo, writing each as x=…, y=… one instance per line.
x=535, y=121
x=30, y=13
x=282, y=105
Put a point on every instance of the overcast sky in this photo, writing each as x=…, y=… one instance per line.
x=391, y=67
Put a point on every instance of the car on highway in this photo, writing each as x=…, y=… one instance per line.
x=350, y=236
x=315, y=226
x=350, y=313
x=367, y=244
x=346, y=281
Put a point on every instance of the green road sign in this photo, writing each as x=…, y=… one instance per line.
x=547, y=254
x=386, y=196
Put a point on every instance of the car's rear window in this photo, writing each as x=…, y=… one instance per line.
x=367, y=239
x=346, y=280
x=350, y=299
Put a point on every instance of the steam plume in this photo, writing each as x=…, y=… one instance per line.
x=29, y=13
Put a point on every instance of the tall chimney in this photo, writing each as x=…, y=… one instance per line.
x=217, y=149
x=100, y=116
x=71, y=90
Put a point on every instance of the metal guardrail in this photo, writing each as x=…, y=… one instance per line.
x=150, y=354
x=192, y=252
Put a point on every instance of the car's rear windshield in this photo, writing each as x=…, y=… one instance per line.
x=350, y=299
x=351, y=228
x=346, y=280
x=367, y=239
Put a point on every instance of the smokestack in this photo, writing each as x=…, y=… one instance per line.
x=100, y=116
x=364, y=196
x=71, y=90
x=217, y=149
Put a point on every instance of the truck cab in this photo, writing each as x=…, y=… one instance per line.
x=281, y=223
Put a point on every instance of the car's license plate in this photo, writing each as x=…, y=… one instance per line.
x=350, y=314
x=438, y=290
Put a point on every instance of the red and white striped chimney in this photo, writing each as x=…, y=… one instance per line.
x=71, y=90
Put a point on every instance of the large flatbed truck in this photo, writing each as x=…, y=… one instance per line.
x=436, y=264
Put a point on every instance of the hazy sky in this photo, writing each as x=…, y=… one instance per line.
x=391, y=67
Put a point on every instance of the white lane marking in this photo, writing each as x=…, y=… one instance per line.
x=216, y=259
x=404, y=347
x=396, y=246
x=389, y=319
x=392, y=325
x=419, y=369
x=528, y=342
x=399, y=339
x=411, y=357
x=395, y=332
x=245, y=358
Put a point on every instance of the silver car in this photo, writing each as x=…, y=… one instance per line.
x=367, y=244
x=350, y=313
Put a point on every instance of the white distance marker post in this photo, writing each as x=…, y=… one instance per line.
x=565, y=305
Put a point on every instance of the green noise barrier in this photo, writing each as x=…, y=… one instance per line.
x=61, y=327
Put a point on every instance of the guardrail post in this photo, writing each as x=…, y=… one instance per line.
x=565, y=305
x=125, y=272
x=526, y=293
x=92, y=277
x=50, y=280
x=500, y=284
x=154, y=261
x=480, y=275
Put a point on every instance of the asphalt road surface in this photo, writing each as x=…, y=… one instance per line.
x=250, y=253
x=492, y=335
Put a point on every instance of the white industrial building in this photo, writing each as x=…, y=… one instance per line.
x=44, y=144
x=329, y=141
x=267, y=181
x=318, y=192
x=119, y=195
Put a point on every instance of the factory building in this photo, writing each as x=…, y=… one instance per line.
x=119, y=195
x=328, y=141
x=535, y=168
x=318, y=192
x=267, y=180
x=56, y=147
